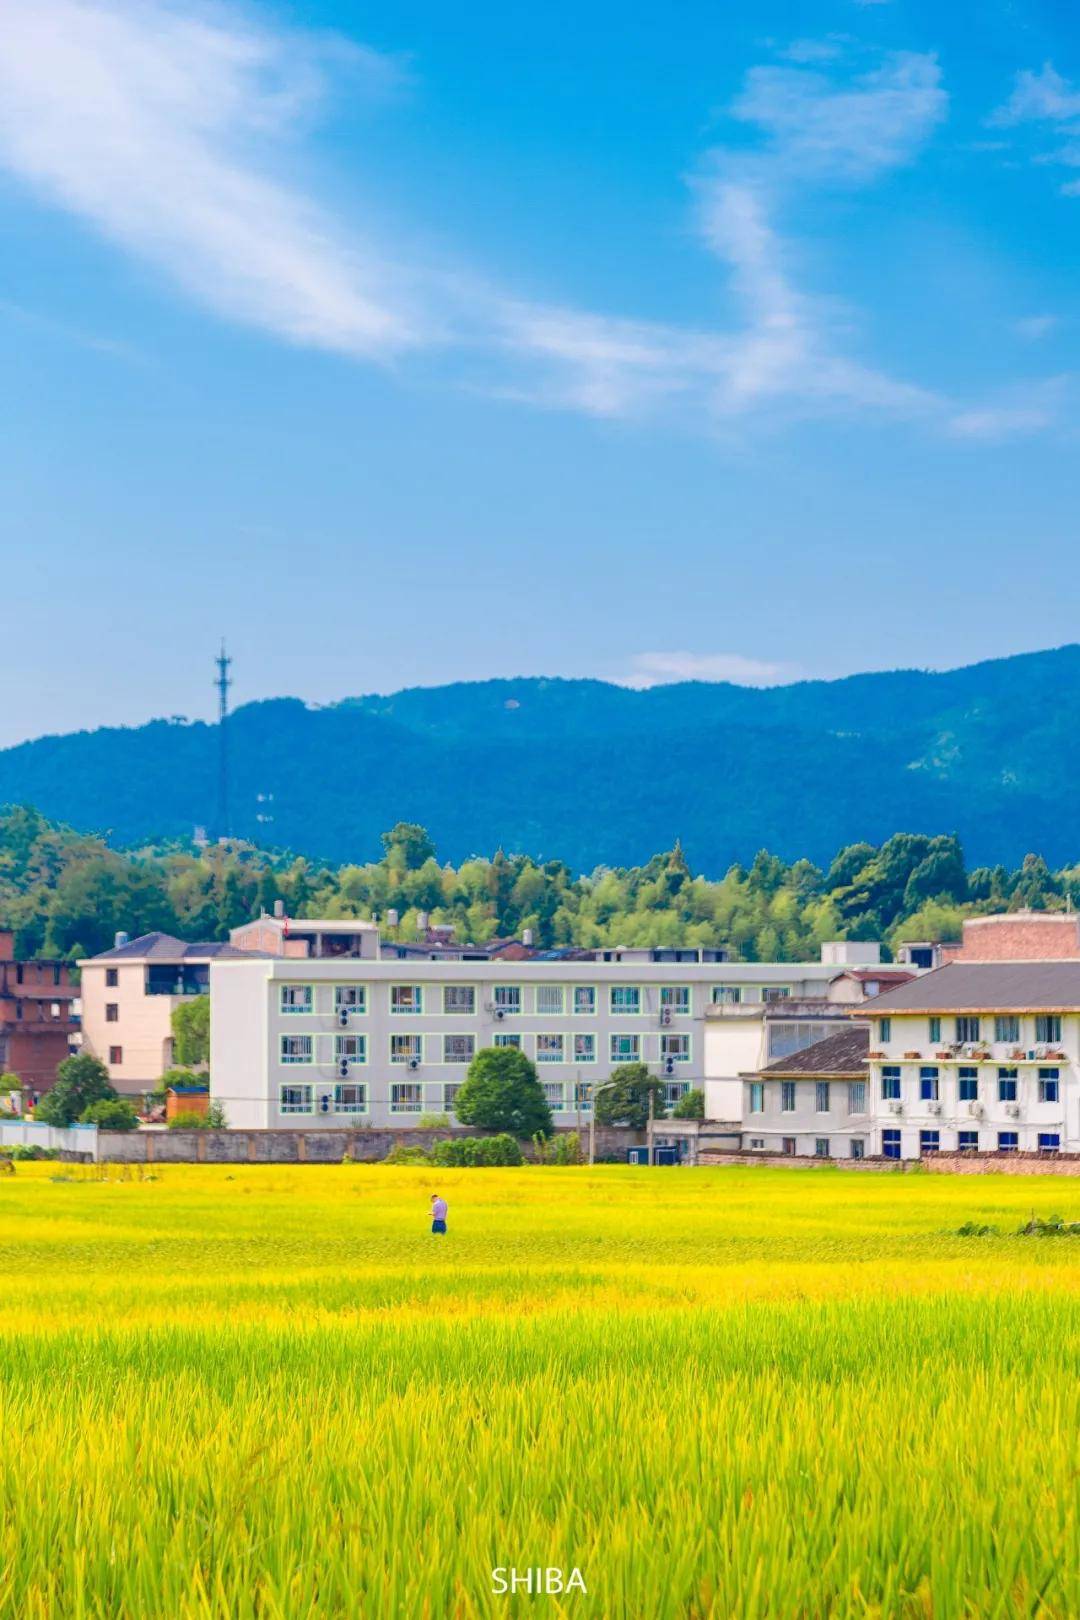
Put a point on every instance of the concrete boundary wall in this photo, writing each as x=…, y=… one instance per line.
x=938, y=1164
x=307, y=1145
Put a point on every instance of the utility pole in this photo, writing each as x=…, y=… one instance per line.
x=223, y=682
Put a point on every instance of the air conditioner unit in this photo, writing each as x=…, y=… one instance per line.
x=669, y=1065
x=500, y=1012
x=665, y=1015
x=977, y=1109
x=933, y=1108
x=414, y=1063
x=1013, y=1110
x=343, y=1068
x=1041, y=1051
x=896, y=1108
x=343, y=1017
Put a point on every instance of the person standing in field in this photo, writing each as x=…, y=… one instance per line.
x=439, y=1208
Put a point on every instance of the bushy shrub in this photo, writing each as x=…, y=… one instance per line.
x=216, y=1118
x=23, y=1150
x=433, y=1122
x=403, y=1153
x=110, y=1114
x=475, y=1152
x=563, y=1148
x=189, y=1119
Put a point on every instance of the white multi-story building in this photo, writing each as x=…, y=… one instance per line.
x=978, y=1055
x=365, y=1039
x=812, y=1102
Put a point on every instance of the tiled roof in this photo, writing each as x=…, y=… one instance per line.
x=159, y=947
x=988, y=987
x=841, y=1054
x=889, y=976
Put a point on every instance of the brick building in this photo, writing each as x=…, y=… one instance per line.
x=36, y=1016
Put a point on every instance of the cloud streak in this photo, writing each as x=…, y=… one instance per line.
x=649, y=669
x=141, y=119
x=167, y=129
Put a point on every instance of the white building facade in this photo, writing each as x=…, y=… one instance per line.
x=980, y=1056
x=381, y=1042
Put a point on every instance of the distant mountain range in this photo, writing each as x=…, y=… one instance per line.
x=597, y=774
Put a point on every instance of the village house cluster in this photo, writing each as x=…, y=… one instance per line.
x=320, y=1022
x=328, y=1022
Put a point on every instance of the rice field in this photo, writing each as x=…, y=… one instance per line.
x=271, y=1392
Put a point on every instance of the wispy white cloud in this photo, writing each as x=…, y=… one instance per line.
x=1034, y=327
x=648, y=669
x=992, y=424
x=145, y=120
x=172, y=129
x=1021, y=412
x=1039, y=97
x=1051, y=104
x=852, y=130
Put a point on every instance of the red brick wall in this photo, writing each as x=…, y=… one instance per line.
x=1020, y=939
x=33, y=1055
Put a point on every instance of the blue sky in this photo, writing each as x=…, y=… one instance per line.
x=414, y=343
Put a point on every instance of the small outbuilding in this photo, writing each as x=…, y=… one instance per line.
x=186, y=1100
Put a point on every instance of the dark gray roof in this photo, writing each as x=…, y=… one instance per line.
x=841, y=1054
x=986, y=987
x=167, y=948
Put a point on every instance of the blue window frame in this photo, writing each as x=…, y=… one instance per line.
x=1007, y=1085
x=890, y=1082
x=1049, y=1141
x=966, y=1141
x=890, y=1144
x=1008, y=1141
x=929, y=1141
x=928, y=1084
x=1049, y=1085
x=967, y=1082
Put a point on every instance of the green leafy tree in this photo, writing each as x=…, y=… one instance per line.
x=501, y=1092
x=191, y=1031
x=691, y=1105
x=110, y=1114
x=408, y=846
x=625, y=1099
x=80, y=1081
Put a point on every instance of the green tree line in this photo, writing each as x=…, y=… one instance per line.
x=66, y=893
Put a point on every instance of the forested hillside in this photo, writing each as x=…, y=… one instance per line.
x=589, y=773
x=67, y=893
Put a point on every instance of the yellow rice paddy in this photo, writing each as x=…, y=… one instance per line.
x=270, y=1392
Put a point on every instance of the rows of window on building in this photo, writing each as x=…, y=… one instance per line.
x=964, y=1046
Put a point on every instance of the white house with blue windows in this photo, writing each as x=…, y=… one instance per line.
x=977, y=1055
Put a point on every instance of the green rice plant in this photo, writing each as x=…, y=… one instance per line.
x=267, y=1393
